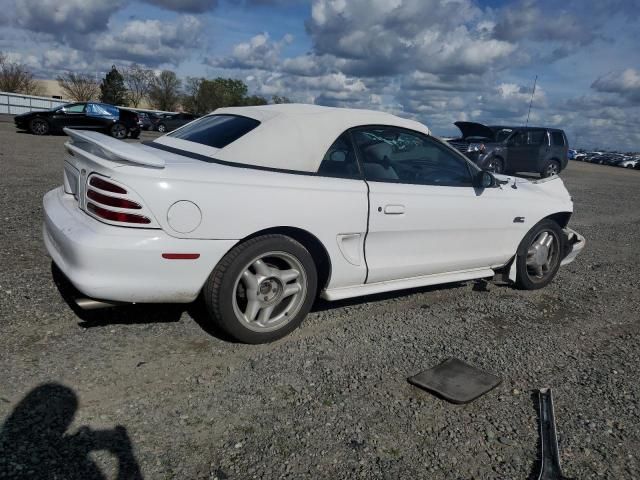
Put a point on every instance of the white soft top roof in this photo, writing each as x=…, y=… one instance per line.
x=290, y=136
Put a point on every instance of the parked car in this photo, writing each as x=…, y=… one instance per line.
x=235, y=208
x=628, y=162
x=103, y=117
x=513, y=149
x=171, y=121
x=146, y=122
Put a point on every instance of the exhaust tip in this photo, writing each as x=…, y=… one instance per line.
x=92, y=304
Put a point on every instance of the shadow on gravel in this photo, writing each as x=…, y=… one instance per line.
x=34, y=443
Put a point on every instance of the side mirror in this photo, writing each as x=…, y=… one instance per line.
x=484, y=179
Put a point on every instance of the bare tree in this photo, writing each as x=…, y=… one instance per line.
x=137, y=81
x=164, y=91
x=80, y=87
x=16, y=78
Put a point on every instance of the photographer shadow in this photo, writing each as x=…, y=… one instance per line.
x=34, y=443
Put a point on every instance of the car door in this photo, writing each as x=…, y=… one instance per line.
x=425, y=216
x=522, y=154
x=71, y=116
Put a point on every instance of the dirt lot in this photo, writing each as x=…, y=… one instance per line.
x=331, y=400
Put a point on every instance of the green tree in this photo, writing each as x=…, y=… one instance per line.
x=203, y=96
x=280, y=99
x=113, y=89
x=255, y=100
x=164, y=91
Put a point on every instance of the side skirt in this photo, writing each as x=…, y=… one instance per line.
x=401, y=284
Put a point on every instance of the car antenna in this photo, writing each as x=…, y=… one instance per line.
x=531, y=101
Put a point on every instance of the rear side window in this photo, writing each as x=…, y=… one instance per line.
x=557, y=138
x=216, y=131
x=340, y=160
x=536, y=137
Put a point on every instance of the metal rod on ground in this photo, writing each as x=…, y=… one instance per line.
x=549, y=454
x=531, y=101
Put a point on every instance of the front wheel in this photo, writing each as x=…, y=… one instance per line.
x=162, y=128
x=539, y=256
x=262, y=289
x=495, y=165
x=38, y=126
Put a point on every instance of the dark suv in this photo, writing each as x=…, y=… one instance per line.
x=513, y=149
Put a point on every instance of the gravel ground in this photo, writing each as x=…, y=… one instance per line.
x=153, y=389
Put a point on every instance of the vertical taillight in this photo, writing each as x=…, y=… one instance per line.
x=102, y=203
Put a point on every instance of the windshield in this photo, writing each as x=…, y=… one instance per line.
x=503, y=134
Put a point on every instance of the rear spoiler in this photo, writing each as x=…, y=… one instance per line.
x=112, y=149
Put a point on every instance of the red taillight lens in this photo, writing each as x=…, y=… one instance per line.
x=106, y=186
x=116, y=216
x=112, y=201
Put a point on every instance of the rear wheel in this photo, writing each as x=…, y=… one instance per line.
x=162, y=128
x=118, y=130
x=38, y=126
x=552, y=167
x=539, y=256
x=262, y=289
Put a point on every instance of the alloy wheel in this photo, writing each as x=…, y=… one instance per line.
x=119, y=131
x=269, y=291
x=552, y=169
x=39, y=127
x=542, y=255
x=494, y=165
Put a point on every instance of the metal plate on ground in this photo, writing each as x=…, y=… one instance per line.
x=455, y=381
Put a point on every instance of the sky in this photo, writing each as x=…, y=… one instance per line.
x=436, y=61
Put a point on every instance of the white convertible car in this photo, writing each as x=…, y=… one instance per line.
x=261, y=209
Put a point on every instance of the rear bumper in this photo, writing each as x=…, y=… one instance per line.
x=576, y=244
x=124, y=264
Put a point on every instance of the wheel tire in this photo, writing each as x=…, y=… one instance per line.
x=162, y=128
x=118, y=130
x=39, y=126
x=222, y=291
x=552, y=167
x=135, y=134
x=495, y=165
x=526, y=278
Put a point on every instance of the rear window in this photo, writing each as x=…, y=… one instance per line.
x=557, y=138
x=216, y=131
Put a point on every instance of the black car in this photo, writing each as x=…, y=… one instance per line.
x=513, y=149
x=171, y=121
x=146, y=123
x=115, y=121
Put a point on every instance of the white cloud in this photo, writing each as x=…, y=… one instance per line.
x=626, y=83
x=151, y=42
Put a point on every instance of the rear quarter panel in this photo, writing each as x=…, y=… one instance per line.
x=238, y=202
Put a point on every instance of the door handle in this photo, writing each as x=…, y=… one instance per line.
x=394, y=209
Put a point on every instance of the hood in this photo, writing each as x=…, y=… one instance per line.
x=472, y=129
